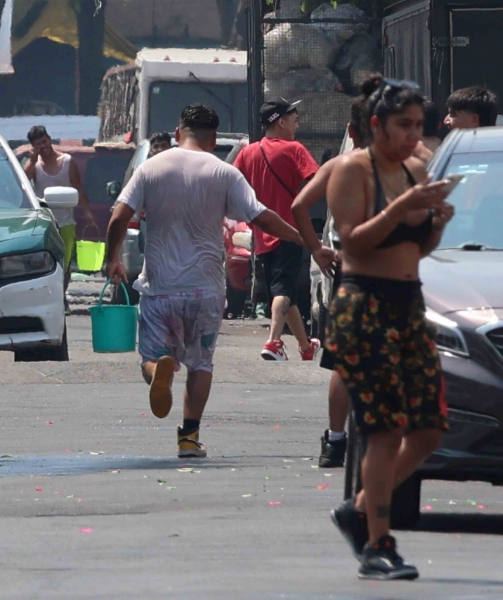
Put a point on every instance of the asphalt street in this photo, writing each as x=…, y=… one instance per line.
x=95, y=505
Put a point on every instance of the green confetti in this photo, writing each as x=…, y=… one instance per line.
x=72, y=496
x=266, y=477
x=161, y=482
x=6, y=456
x=471, y=502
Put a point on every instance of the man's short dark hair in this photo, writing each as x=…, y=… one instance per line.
x=199, y=117
x=477, y=100
x=37, y=132
x=432, y=120
x=160, y=136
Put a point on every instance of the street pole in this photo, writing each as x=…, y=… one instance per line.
x=255, y=75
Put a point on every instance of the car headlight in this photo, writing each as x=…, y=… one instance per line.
x=242, y=239
x=448, y=336
x=26, y=265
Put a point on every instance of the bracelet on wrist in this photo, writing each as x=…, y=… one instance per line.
x=384, y=213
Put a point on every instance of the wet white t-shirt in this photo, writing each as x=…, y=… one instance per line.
x=186, y=195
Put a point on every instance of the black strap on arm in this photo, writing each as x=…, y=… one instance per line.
x=274, y=172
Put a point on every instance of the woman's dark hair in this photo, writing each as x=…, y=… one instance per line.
x=392, y=98
x=432, y=119
x=358, y=106
x=199, y=117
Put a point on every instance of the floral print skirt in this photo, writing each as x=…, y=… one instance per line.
x=385, y=352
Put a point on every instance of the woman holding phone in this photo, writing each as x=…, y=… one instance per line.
x=388, y=215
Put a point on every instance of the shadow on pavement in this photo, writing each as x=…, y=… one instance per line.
x=482, y=524
x=85, y=463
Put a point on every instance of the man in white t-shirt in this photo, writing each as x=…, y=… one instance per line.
x=186, y=193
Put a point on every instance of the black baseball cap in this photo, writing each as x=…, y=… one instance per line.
x=275, y=108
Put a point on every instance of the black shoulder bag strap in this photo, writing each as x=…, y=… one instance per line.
x=274, y=172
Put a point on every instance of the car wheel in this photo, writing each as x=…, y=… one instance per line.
x=235, y=302
x=406, y=504
x=118, y=296
x=47, y=353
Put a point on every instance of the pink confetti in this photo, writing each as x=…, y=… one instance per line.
x=143, y=414
x=86, y=530
x=277, y=427
x=49, y=422
x=481, y=506
x=274, y=503
x=79, y=500
x=207, y=425
x=323, y=486
x=38, y=489
x=428, y=507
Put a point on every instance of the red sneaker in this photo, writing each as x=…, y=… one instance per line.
x=274, y=350
x=314, y=348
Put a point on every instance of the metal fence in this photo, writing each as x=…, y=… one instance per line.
x=321, y=59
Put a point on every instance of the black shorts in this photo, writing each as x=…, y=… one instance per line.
x=385, y=353
x=281, y=270
x=327, y=358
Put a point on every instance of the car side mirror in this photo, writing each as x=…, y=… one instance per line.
x=114, y=188
x=61, y=197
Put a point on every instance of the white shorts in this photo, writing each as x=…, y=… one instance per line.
x=183, y=325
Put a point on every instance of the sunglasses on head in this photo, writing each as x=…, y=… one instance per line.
x=400, y=83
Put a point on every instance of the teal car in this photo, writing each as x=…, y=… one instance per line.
x=32, y=313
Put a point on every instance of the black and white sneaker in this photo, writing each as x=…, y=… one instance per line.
x=382, y=561
x=332, y=453
x=352, y=523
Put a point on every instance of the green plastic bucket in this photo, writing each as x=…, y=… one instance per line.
x=90, y=254
x=113, y=325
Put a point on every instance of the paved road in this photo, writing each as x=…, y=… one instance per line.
x=95, y=505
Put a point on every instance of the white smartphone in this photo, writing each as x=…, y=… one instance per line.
x=453, y=180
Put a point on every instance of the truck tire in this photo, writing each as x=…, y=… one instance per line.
x=406, y=504
x=48, y=353
x=236, y=300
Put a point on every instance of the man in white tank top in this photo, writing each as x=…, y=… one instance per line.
x=47, y=168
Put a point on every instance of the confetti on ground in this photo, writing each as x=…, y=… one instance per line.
x=6, y=456
x=246, y=495
x=452, y=503
x=72, y=496
x=161, y=481
x=277, y=427
x=310, y=458
x=38, y=489
x=187, y=470
x=49, y=422
x=143, y=414
x=288, y=460
x=170, y=487
x=323, y=486
x=118, y=471
x=274, y=503
x=314, y=467
x=80, y=500
x=96, y=453
x=266, y=477
x=471, y=502
x=86, y=530
x=481, y=506
x=328, y=474
x=427, y=507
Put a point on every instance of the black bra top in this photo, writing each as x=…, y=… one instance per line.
x=402, y=232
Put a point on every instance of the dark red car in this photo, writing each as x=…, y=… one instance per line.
x=238, y=246
x=97, y=165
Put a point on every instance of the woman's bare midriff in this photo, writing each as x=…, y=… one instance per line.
x=398, y=262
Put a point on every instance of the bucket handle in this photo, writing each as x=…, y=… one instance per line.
x=100, y=300
x=93, y=226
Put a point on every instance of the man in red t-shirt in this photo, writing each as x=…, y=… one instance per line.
x=276, y=167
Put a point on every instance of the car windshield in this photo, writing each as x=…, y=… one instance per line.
x=478, y=201
x=100, y=170
x=12, y=194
